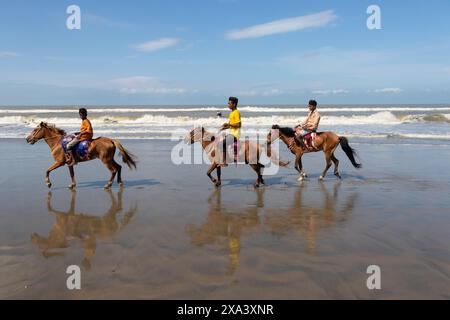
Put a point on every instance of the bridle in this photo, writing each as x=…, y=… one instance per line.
x=33, y=137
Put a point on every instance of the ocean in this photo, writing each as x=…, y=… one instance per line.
x=423, y=124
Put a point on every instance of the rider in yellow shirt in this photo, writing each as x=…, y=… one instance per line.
x=234, y=124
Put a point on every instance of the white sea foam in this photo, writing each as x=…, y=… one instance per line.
x=380, y=118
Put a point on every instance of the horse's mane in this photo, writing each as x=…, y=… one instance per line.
x=53, y=127
x=286, y=131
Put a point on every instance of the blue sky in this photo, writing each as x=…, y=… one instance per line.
x=202, y=51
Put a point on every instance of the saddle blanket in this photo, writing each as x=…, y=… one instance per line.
x=80, y=150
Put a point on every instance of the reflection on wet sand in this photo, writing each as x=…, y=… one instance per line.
x=306, y=218
x=225, y=224
x=84, y=227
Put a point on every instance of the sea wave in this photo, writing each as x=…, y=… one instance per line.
x=379, y=118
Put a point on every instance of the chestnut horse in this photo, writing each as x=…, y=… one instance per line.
x=324, y=141
x=251, y=152
x=100, y=148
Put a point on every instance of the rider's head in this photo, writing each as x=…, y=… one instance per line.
x=233, y=102
x=83, y=113
x=312, y=105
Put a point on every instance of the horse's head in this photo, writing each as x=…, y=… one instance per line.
x=273, y=134
x=198, y=134
x=37, y=134
x=42, y=131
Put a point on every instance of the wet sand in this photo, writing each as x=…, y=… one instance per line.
x=169, y=234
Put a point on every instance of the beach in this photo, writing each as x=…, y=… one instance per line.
x=170, y=234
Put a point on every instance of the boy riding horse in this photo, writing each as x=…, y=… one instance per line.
x=86, y=133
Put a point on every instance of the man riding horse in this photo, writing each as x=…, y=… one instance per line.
x=86, y=133
x=308, y=127
x=234, y=125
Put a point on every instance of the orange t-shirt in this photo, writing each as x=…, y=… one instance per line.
x=88, y=131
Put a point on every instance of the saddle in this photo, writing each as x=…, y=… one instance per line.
x=81, y=150
x=308, y=141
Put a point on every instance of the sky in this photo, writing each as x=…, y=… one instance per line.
x=203, y=51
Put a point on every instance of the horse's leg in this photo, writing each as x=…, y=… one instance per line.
x=328, y=164
x=297, y=159
x=112, y=168
x=260, y=174
x=72, y=177
x=257, y=169
x=299, y=164
x=210, y=170
x=119, y=172
x=336, y=166
x=219, y=174
x=54, y=166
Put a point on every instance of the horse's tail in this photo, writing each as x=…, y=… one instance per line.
x=274, y=157
x=127, y=157
x=349, y=152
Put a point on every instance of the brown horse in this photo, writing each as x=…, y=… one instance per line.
x=324, y=141
x=84, y=227
x=249, y=150
x=100, y=148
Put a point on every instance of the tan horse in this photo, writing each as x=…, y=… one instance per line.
x=84, y=227
x=324, y=141
x=100, y=148
x=249, y=150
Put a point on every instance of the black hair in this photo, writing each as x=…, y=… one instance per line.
x=82, y=111
x=234, y=100
x=313, y=103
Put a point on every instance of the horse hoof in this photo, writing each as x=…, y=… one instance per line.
x=338, y=176
x=121, y=184
x=217, y=184
x=301, y=178
x=49, y=185
x=72, y=186
x=321, y=178
x=304, y=175
x=107, y=187
x=256, y=185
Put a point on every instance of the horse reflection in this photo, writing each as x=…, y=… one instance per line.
x=224, y=226
x=86, y=228
x=306, y=218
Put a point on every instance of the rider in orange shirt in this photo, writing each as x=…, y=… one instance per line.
x=86, y=133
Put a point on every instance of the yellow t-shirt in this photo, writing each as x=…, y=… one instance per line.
x=235, y=117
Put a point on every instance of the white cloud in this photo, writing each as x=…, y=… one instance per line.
x=144, y=85
x=8, y=54
x=155, y=45
x=330, y=92
x=315, y=20
x=388, y=90
x=268, y=92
